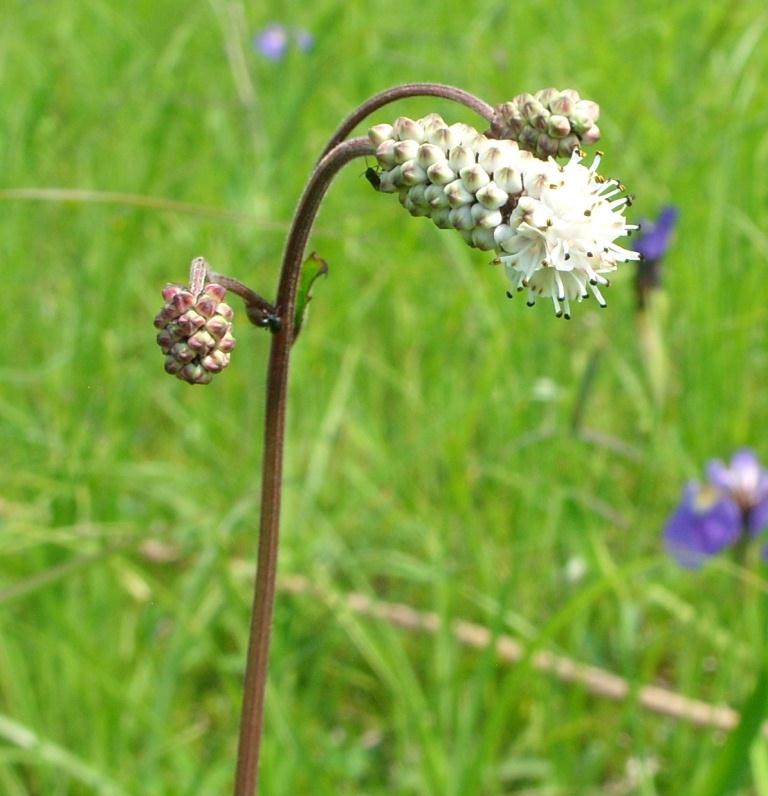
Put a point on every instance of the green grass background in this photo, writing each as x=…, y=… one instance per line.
x=431, y=451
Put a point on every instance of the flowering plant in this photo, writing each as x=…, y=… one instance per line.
x=552, y=225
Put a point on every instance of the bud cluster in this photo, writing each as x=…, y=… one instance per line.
x=195, y=332
x=549, y=123
x=553, y=227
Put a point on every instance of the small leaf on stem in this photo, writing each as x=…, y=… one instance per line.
x=312, y=268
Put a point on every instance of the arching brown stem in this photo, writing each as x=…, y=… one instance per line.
x=402, y=92
x=252, y=718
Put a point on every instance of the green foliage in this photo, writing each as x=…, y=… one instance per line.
x=446, y=447
x=312, y=269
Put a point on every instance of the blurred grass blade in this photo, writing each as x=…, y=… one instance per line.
x=759, y=758
x=732, y=764
x=312, y=268
x=53, y=755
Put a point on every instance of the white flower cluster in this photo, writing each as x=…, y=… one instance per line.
x=553, y=227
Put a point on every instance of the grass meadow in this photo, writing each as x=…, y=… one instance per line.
x=447, y=448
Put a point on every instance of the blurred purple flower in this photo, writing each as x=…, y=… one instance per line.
x=656, y=236
x=273, y=40
x=705, y=523
x=653, y=243
x=746, y=483
x=718, y=514
x=304, y=39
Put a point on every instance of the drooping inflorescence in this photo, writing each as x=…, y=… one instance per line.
x=552, y=226
x=195, y=332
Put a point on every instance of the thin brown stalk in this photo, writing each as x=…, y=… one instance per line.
x=441, y=90
x=246, y=779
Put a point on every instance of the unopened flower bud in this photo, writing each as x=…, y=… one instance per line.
x=206, y=305
x=495, y=156
x=441, y=173
x=385, y=153
x=568, y=145
x=215, y=290
x=529, y=138
x=183, y=352
x=202, y=342
x=429, y=154
x=460, y=157
x=484, y=217
x=380, y=133
x=483, y=239
x=227, y=343
x=492, y=197
x=465, y=133
x=461, y=217
x=534, y=111
x=544, y=95
x=441, y=217
x=546, y=146
x=169, y=291
x=562, y=104
x=182, y=300
x=508, y=179
x=218, y=326
x=457, y=194
x=387, y=183
x=558, y=126
x=592, y=136
x=195, y=374
x=446, y=138
x=474, y=178
x=172, y=365
x=435, y=196
x=413, y=174
x=405, y=151
x=215, y=361
x=406, y=129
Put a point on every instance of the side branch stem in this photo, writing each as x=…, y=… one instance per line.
x=251, y=723
x=402, y=92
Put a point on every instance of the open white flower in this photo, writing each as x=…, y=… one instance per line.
x=560, y=243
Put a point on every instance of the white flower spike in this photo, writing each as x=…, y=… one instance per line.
x=553, y=227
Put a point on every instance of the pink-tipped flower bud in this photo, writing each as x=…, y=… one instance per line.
x=536, y=121
x=195, y=331
x=405, y=151
x=406, y=129
x=380, y=133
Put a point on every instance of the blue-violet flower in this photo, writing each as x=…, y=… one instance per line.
x=716, y=515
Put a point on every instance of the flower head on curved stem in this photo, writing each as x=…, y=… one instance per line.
x=552, y=226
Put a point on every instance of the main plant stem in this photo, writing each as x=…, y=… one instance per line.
x=274, y=429
x=337, y=154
